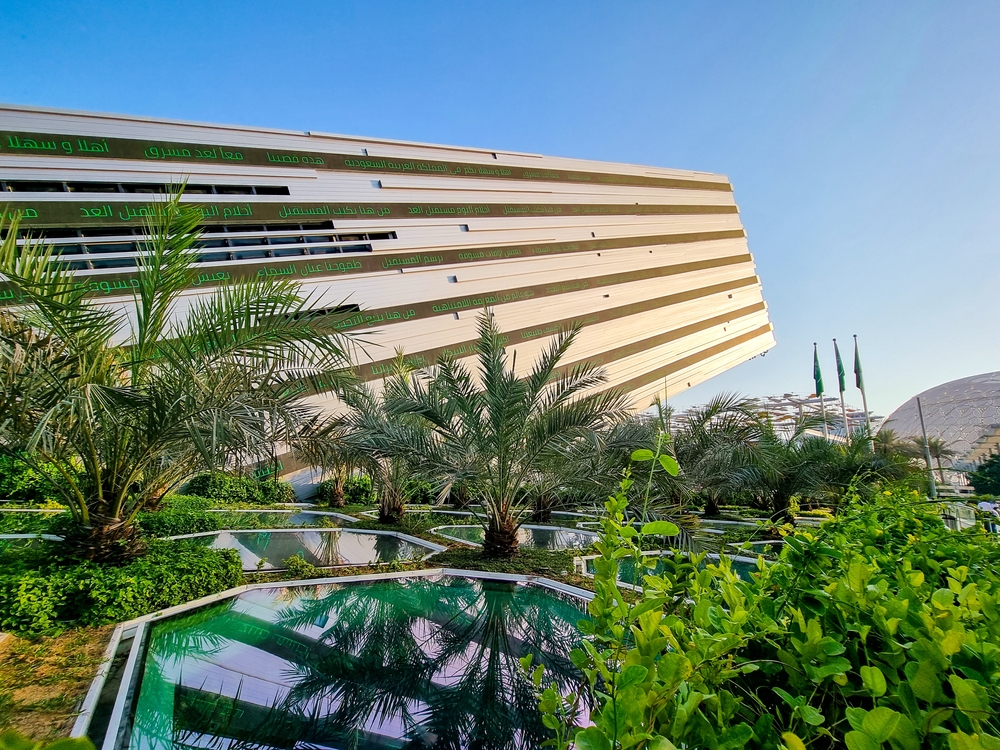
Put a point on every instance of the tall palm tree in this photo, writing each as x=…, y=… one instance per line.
x=714, y=443
x=494, y=431
x=937, y=447
x=129, y=399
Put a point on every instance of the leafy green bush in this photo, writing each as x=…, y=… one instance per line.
x=180, y=514
x=28, y=523
x=358, y=490
x=42, y=595
x=233, y=489
x=21, y=484
x=880, y=629
x=11, y=740
x=986, y=478
x=298, y=568
x=419, y=492
x=273, y=492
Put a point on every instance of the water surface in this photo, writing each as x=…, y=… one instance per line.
x=322, y=548
x=407, y=663
x=539, y=537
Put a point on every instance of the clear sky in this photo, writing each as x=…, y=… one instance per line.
x=862, y=139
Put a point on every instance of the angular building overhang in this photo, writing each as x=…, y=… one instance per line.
x=413, y=239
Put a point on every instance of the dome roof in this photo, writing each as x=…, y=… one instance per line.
x=959, y=412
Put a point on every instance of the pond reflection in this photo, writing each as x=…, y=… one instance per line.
x=322, y=548
x=537, y=537
x=408, y=663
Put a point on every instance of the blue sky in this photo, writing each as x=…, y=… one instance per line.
x=862, y=139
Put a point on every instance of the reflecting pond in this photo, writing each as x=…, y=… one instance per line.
x=324, y=549
x=539, y=537
x=275, y=518
x=412, y=662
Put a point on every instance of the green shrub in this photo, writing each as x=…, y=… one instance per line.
x=298, y=568
x=358, y=490
x=274, y=492
x=19, y=483
x=176, y=522
x=28, y=523
x=40, y=595
x=11, y=740
x=881, y=629
x=233, y=489
x=419, y=492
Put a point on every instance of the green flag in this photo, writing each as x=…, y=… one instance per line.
x=817, y=375
x=841, y=375
x=858, y=377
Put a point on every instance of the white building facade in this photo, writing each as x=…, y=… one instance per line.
x=411, y=241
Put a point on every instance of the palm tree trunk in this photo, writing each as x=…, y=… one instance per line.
x=711, y=506
x=105, y=540
x=501, y=539
x=782, y=507
x=337, y=500
x=542, y=510
x=940, y=470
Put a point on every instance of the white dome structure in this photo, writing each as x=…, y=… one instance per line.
x=962, y=413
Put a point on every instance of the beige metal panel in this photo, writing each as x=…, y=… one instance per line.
x=55, y=121
x=410, y=288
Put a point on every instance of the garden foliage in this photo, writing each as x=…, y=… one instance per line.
x=881, y=629
x=230, y=489
x=26, y=485
x=39, y=594
x=986, y=479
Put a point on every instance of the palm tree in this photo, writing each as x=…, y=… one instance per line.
x=715, y=443
x=495, y=432
x=386, y=445
x=937, y=447
x=129, y=399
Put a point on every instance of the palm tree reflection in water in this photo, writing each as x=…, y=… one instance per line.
x=413, y=663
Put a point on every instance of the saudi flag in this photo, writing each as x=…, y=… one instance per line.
x=841, y=375
x=817, y=375
x=859, y=379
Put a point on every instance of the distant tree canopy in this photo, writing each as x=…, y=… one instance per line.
x=986, y=479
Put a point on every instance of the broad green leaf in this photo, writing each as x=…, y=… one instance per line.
x=792, y=741
x=661, y=743
x=880, y=723
x=811, y=716
x=592, y=738
x=963, y=741
x=855, y=717
x=735, y=737
x=660, y=528
x=925, y=683
x=967, y=697
x=670, y=465
x=632, y=675
x=642, y=454
x=787, y=698
x=859, y=741
x=873, y=680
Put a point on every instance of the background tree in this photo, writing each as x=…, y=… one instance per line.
x=937, y=447
x=128, y=399
x=495, y=432
x=986, y=478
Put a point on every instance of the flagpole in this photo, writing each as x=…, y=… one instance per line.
x=818, y=378
x=861, y=386
x=843, y=386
